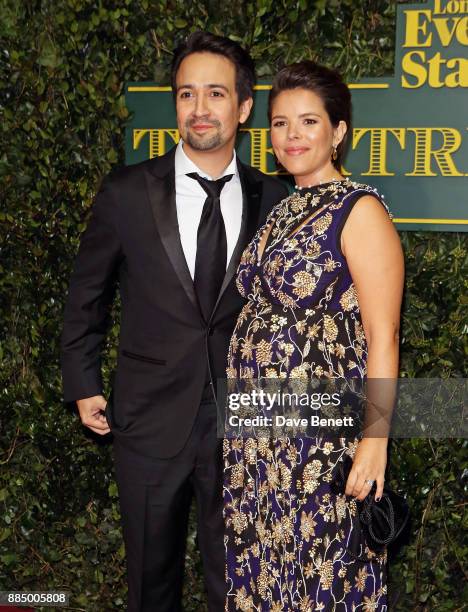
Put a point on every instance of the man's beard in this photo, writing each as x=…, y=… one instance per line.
x=198, y=142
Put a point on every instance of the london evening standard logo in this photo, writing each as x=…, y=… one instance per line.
x=422, y=61
x=410, y=137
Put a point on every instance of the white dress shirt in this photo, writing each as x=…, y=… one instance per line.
x=190, y=198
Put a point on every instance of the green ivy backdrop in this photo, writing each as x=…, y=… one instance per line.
x=63, y=66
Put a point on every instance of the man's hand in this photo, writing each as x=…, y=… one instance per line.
x=92, y=415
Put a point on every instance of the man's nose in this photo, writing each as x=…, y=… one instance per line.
x=201, y=107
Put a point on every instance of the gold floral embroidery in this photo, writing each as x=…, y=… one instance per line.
x=340, y=508
x=237, y=476
x=288, y=348
x=359, y=331
x=298, y=203
x=313, y=250
x=312, y=330
x=300, y=371
x=307, y=526
x=239, y=522
x=272, y=267
x=370, y=604
x=282, y=530
x=322, y=224
x=304, y=284
x=330, y=264
x=263, y=352
x=285, y=476
x=250, y=450
x=311, y=474
x=286, y=300
x=330, y=329
x=272, y=476
x=247, y=348
x=340, y=350
x=326, y=574
x=301, y=327
x=361, y=579
x=348, y=300
x=306, y=604
x=243, y=603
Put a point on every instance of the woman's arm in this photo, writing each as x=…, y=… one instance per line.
x=373, y=251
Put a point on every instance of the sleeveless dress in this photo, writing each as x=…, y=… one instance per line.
x=286, y=532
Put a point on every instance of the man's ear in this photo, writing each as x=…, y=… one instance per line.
x=244, y=110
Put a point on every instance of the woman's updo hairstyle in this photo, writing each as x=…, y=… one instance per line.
x=325, y=83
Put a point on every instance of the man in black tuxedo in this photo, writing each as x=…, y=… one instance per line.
x=170, y=232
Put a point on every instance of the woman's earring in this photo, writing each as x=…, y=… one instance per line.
x=334, y=153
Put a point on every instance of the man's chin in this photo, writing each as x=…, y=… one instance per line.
x=203, y=142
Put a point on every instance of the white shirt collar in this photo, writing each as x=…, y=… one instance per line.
x=184, y=165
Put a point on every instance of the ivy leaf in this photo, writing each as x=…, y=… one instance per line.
x=48, y=55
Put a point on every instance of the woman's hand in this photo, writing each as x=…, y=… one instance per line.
x=369, y=463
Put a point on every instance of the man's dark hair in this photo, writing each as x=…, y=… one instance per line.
x=205, y=42
x=324, y=82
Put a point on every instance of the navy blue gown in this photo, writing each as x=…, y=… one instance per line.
x=286, y=532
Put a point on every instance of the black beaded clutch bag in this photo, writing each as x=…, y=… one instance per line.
x=382, y=523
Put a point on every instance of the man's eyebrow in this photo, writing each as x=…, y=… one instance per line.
x=217, y=86
x=208, y=86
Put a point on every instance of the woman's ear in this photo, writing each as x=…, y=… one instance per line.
x=339, y=133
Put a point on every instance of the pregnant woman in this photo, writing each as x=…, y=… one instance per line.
x=323, y=279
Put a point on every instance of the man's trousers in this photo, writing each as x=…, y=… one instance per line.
x=155, y=497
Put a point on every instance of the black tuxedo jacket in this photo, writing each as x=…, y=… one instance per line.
x=165, y=347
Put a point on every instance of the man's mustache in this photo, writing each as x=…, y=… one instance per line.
x=191, y=122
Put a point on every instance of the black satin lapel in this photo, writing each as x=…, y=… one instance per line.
x=251, y=198
x=161, y=193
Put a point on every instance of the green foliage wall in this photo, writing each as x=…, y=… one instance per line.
x=63, y=66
